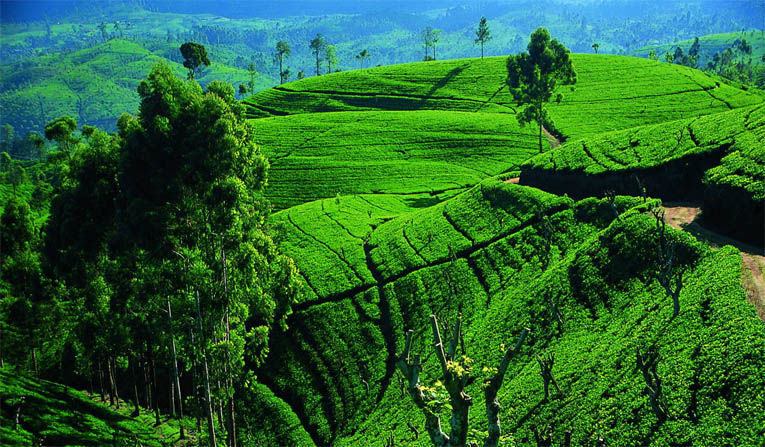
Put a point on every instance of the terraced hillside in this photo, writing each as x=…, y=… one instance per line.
x=317, y=156
x=612, y=92
x=483, y=253
x=718, y=158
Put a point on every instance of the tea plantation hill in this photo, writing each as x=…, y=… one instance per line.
x=371, y=277
x=382, y=255
x=718, y=158
x=612, y=92
x=95, y=85
x=386, y=137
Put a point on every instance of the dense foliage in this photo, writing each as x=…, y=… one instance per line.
x=154, y=257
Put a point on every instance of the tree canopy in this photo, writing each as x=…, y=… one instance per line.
x=482, y=34
x=194, y=56
x=534, y=75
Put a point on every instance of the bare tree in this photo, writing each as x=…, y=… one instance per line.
x=456, y=375
x=670, y=279
x=647, y=364
x=546, y=363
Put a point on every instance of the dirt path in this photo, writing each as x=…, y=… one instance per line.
x=554, y=142
x=684, y=216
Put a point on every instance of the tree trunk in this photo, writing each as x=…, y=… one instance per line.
x=137, y=410
x=111, y=383
x=281, y=70
x=175, y=370
x=195, y=381
x=116, y=388
x=154, y=394
x=540, y=137
x=101, y=382
x=210, y=421
x=171, y=397
x=230, y=374
x=482, y=49
x=34, y=351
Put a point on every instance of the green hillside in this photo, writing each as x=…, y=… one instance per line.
x=94, y=85
x=54, y=414
x=612, y=92
x=479, y=253
x=718, y=157
x=711, y=44
x=317, y=156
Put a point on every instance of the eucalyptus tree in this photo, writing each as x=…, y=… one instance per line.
x=534, y=75
x=283, y=51
x=194, y=184
x=482, y=34
x=362, y=56
x=330, y=55
x=318, y=46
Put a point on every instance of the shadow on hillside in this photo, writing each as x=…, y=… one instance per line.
x=442, y=82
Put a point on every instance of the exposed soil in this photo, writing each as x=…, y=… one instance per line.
x=554, y=142
x=685, y=216
x=514, y=180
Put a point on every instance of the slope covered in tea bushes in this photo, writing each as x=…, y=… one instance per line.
x=612, y=92
x=482, y=254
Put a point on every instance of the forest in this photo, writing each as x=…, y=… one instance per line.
x=448, y=224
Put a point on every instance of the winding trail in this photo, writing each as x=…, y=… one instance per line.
x=685, y=216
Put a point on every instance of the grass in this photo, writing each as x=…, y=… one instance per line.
x=612, y=92
x=315, y=156
x=54, y=414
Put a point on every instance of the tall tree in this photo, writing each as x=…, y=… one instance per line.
x=317, y=46
x=330, y=55
x=533, y=76
x=595, y=47
x=435, y=37
x=482, y=34
x=194, y=183
x=362, y=56
x=283, y=51
x=427, y=41
x=251, y=82
x=194, y=56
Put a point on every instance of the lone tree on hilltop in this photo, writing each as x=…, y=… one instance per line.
x=482, y=34
x=595, y=47
x=283, y=51
x=194, y=56
x=330, y=55
x=317, y=47
x=449, y=392
x=363, y=56
x=533, y=76
x=430, y=37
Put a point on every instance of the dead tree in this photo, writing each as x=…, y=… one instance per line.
x=641, y=188
x=611, y=196
x=546, y=363
x=671, y=281
x=456, y=375
x=647, y=363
